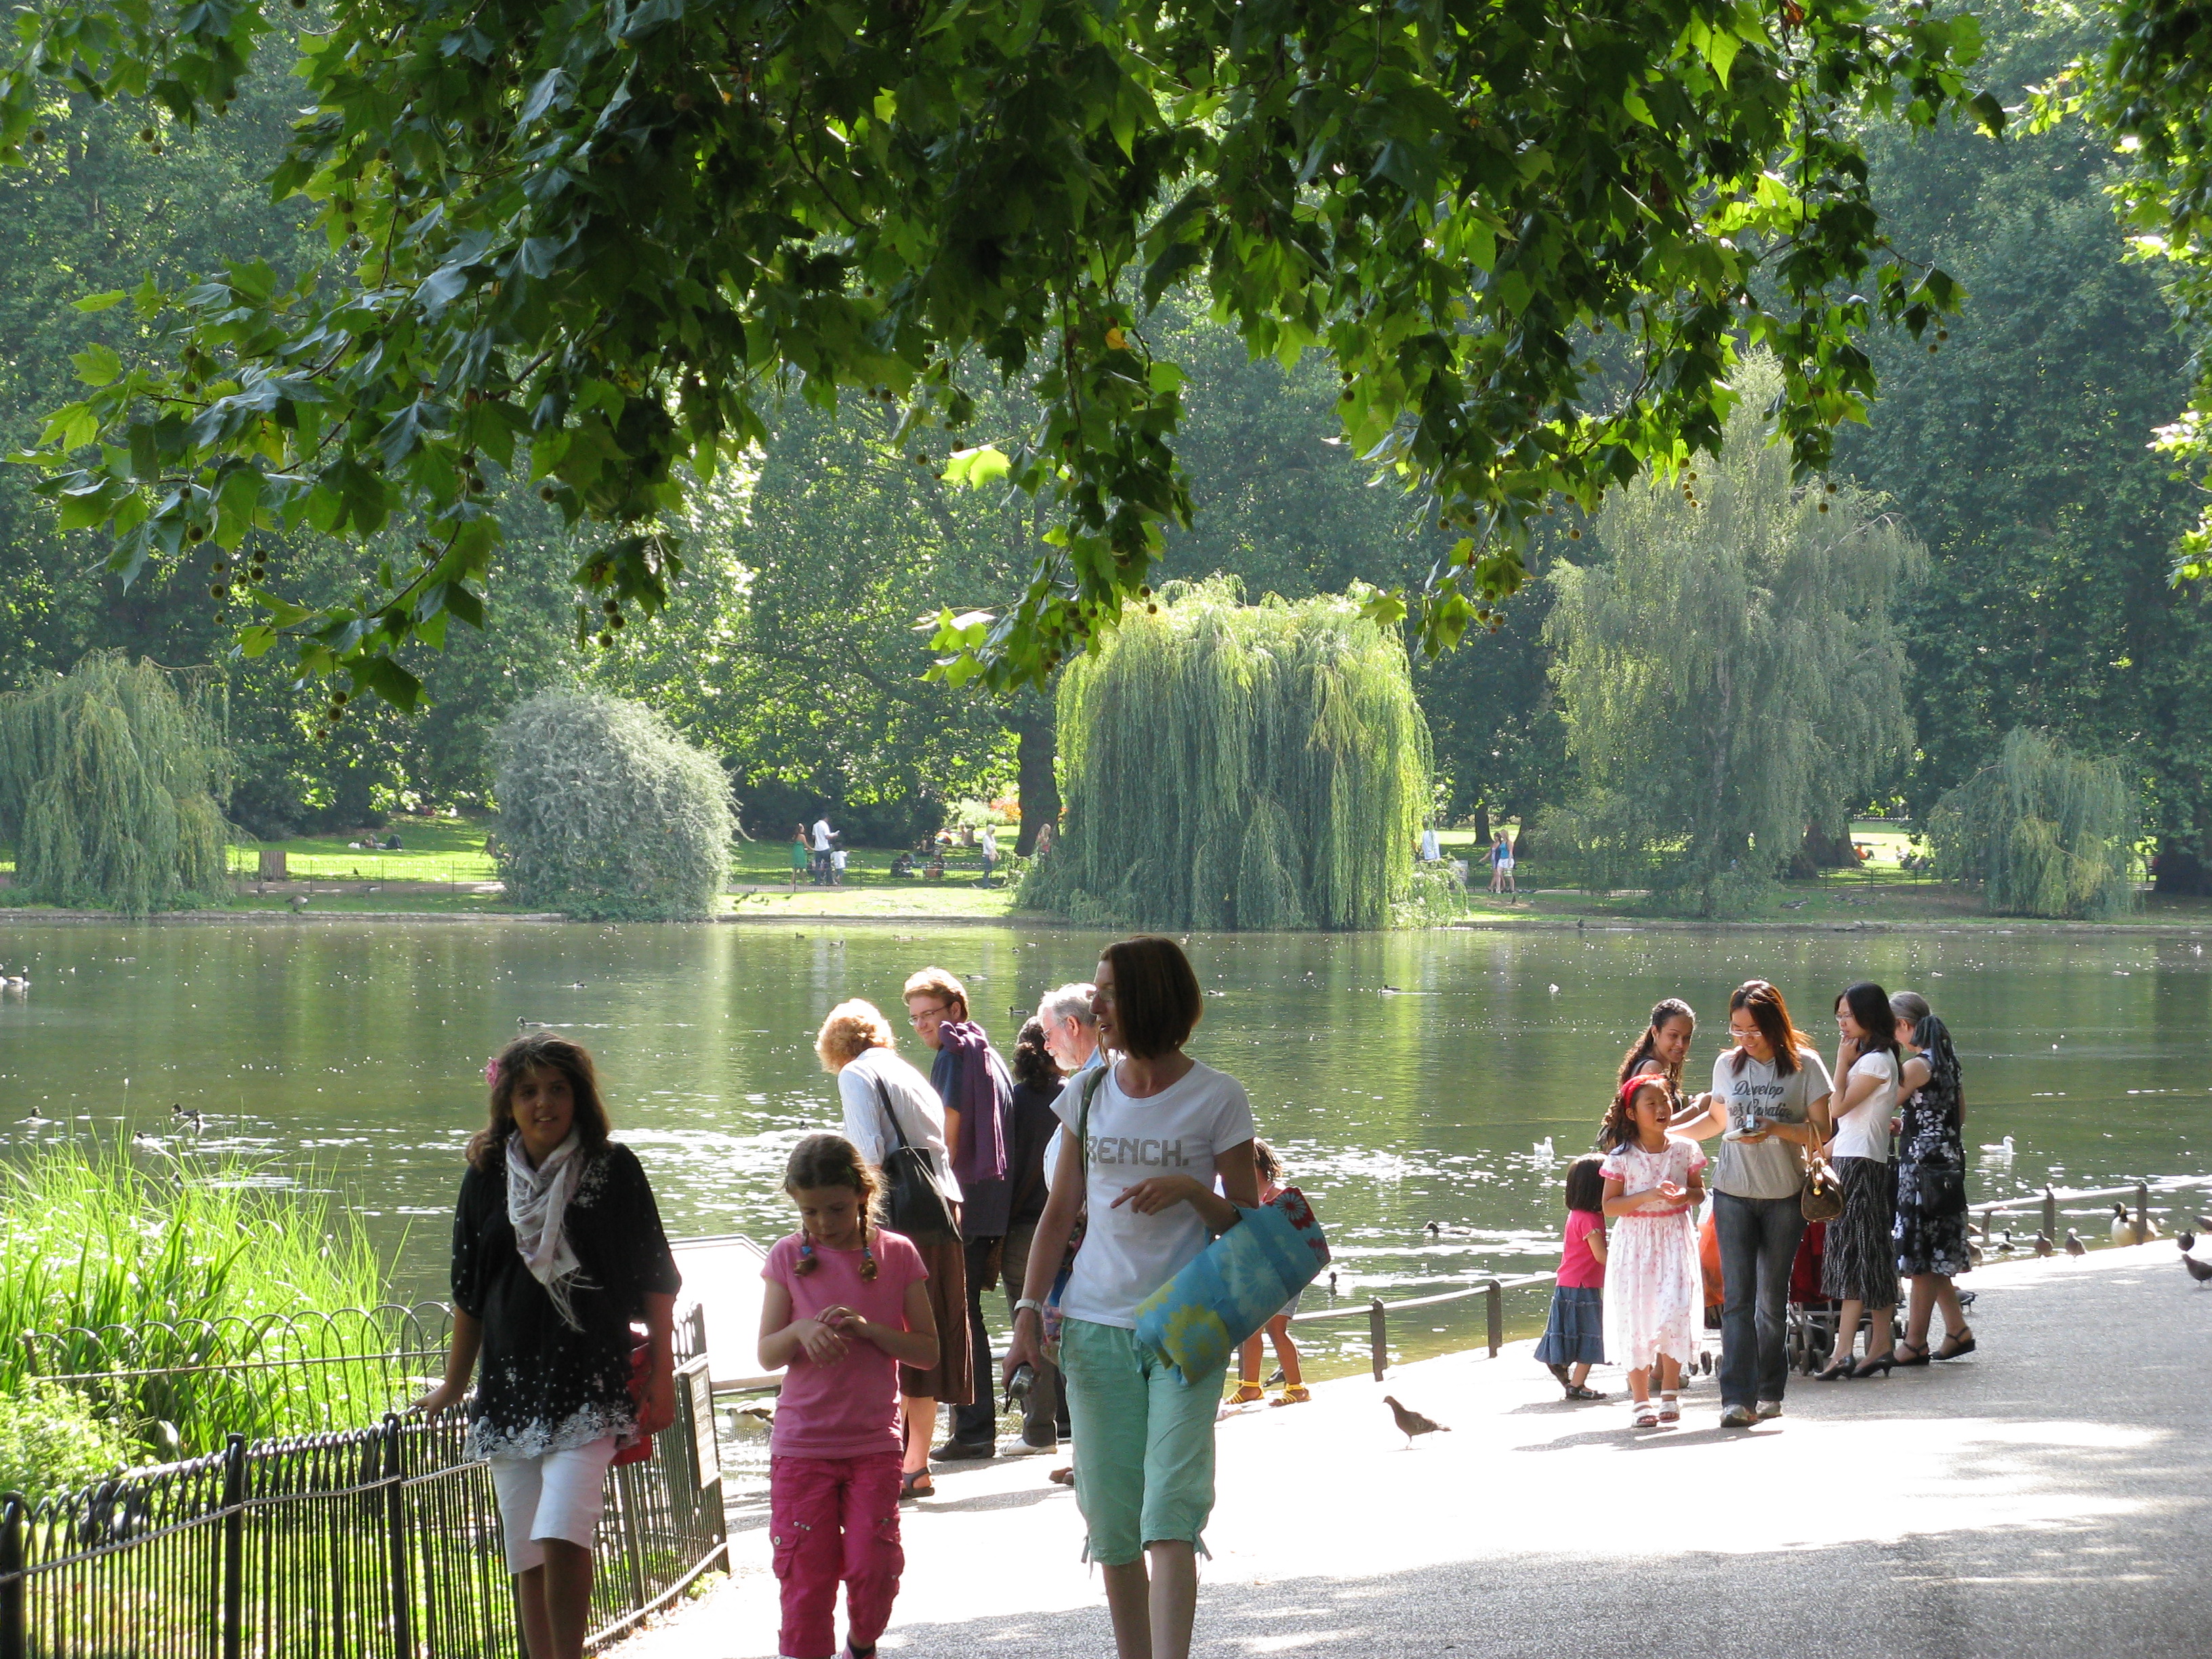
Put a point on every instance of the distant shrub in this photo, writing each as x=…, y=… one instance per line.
x=2041, y=830
x=606, y=812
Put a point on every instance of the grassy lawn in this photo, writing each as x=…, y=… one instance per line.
x=431, y=849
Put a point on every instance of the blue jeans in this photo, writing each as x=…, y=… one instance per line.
x=1757, y=1238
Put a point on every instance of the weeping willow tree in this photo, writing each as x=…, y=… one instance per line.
x=605, y=812
x=112, y=780
x=1231, y=765
x=1727, y=668
x=2041, y=830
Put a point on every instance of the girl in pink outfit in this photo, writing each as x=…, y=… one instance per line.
x=847, y=1304
x=1654, y=1288
x=1574, y=1338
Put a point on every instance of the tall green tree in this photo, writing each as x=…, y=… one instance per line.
x=2020, y=455
x=112, y=783
x=1729, y=670
x=2041, y=831
x=1238, y=766
x=595, y=247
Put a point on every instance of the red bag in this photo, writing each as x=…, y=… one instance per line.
x=640, y=1368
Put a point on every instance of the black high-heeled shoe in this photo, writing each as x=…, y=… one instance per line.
x=1953, y=1347
x=1841, y=1371
x=1872, y=1367
x=1921, y=1355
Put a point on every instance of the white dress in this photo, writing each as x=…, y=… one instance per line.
x=1653, y=1287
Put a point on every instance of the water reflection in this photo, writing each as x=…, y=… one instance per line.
x=1405, y=1078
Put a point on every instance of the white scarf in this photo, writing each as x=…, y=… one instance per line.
x=538, y=1205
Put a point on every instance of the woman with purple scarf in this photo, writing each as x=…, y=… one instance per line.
x=977, y=1090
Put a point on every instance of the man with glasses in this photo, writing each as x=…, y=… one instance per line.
x=977, y=1090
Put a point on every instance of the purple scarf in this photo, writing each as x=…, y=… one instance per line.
x=975, y=1085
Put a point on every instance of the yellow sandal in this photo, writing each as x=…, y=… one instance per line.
x=1248, y=1393
x=1293, y=1393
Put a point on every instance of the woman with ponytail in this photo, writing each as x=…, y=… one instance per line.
x=1931, y=1183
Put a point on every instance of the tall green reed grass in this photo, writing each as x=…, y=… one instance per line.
x=171, y=1270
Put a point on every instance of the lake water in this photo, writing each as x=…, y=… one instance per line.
x=354, y=1051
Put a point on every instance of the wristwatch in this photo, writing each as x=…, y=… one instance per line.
x=1032, y=1304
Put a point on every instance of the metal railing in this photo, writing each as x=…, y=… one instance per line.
x=1378, y=1312
x=2050, y=1199
x=383, y=1542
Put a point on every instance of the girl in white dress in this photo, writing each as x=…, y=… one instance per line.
x=1653, y=1286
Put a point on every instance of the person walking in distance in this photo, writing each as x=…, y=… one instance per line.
x=886, y=1101
x=802, y=856
x=825, y=843
x=1154, y=1132
x=972, y=1081
x=1769, y=1105
x=557, y=1249
x=844, y=1303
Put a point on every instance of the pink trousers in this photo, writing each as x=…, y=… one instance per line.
x=832, y=1518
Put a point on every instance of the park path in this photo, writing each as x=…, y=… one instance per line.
x=2050, y=1494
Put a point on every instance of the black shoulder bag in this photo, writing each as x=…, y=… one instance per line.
x=918, y=1205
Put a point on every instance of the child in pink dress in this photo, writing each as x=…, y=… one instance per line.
x=1653, y=1289
x=846, y=1305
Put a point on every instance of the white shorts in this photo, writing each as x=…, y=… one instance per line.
x=559, y=1495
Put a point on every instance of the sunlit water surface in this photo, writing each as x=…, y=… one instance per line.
x=1405, y=1078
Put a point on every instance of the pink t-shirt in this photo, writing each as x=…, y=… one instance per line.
x=1578, y=1269
x=849, y=1409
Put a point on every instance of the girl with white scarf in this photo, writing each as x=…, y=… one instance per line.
x=557, y=1251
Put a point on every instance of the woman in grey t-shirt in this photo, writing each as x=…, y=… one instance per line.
x=1770, y=1101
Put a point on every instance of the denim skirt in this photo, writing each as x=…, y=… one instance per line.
x=1575, y=1335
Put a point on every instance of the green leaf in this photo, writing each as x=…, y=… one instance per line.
x=93, y=302
x=976, y=467
x=97, y=365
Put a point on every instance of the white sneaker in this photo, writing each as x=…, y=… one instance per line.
x=1023, y=1449
x=1737, y=1417
x=1769, y=1408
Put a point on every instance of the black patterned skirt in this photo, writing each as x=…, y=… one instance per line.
x=1930, y=1234
x=1859, y=1263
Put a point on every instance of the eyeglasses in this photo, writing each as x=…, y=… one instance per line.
x=941, y=1012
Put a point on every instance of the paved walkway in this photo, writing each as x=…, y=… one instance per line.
x=2050, y=1495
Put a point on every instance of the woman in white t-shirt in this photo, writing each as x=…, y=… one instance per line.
x=1154, y=1132
x=1858, y=1262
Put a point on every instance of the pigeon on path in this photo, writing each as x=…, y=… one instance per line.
x=2074, y=1246
x=2187, y=1241
x=2199, y=1271
x=1411, y=1423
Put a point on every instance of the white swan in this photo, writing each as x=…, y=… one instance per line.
x=1997, y=1148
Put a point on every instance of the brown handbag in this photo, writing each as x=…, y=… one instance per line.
x=1821, y=1198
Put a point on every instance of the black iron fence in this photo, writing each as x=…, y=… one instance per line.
x=380, y=1542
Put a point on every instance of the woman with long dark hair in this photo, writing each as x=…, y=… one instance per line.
x=557, y=1251
x=1662, y=1048
x=1769, y=1105
x=1930, y=1233
x=1859, y=1265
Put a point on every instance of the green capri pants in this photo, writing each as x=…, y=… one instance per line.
x=1144, y=1442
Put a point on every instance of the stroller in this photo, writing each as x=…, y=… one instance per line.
x=1811, y=1332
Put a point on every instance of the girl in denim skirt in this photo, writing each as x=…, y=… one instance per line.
x=1574, y=1338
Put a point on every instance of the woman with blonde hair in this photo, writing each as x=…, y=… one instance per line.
x=886, y=1100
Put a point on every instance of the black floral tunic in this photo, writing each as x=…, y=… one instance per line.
x=542, y=1385
x=1931, y=1231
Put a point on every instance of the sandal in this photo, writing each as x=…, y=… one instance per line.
x=1670, y=1409
x=1292, y=1394
x=1918, y=1349
x=1647, y=1415
x=1248, y=1393
x=1583, y=1391
x=1953, y=1347
x=916, y=1483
